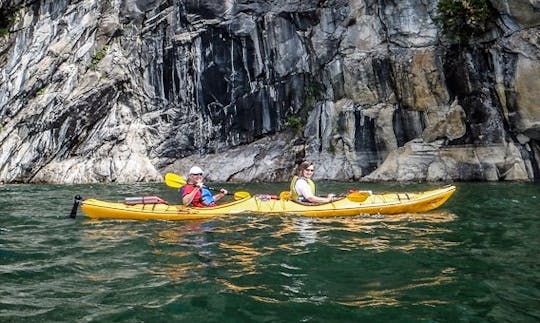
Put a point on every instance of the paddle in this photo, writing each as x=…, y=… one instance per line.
x=285, y=195
x=359, y=196
x=356, y=196
x=240, y=195
x=177, y=181
x=174, y=181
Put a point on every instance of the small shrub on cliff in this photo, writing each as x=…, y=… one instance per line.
x=98, y=56
x=332, y=148
x=462, y=19
x=312, y=94
x=296, y=123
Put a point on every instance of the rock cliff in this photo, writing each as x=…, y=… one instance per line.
x=126, y=90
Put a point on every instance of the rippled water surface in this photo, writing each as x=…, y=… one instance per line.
x=473, y=260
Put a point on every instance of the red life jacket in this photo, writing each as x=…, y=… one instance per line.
x=197, y=199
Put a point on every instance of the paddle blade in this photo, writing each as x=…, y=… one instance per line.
x=240, y=195
x=174, y=181
x=359, y=196
x=285, y=195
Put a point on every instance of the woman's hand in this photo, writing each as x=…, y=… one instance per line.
x=199, y=184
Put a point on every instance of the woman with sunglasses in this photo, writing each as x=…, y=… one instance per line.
x=194, y=193
x=303, y=187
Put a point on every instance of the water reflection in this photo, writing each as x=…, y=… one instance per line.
x=289, y=259
x=374, y=295
x=185, y=251
x=305, y=229
x=365, y=231
x=96, y=231
x=243, y=255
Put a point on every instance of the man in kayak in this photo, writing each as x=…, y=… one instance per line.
x=303, y=187
x=194, y=193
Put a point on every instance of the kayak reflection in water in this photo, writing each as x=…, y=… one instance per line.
x=194, y=193
x=303, y=187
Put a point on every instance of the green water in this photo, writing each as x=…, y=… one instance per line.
x=473, y=260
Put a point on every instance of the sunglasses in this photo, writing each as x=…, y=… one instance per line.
x=198, y=174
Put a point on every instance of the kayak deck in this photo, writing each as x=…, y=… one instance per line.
x=383, y=203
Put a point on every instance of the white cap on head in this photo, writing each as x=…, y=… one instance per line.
x=195, y=170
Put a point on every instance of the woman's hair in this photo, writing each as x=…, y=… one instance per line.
x=302, y=166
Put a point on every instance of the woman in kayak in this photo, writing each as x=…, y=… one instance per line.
x=303, y=188
x=194, y=193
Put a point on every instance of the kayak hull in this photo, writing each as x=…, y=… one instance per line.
x=384, y=203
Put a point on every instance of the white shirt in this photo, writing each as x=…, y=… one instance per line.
x=302, y=188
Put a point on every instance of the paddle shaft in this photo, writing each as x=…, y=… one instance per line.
x=211, y=188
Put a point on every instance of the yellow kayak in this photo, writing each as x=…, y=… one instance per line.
x=383, y=203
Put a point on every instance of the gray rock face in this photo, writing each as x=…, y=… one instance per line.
x=125, y=91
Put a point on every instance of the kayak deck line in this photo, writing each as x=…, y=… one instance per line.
x=375, y=203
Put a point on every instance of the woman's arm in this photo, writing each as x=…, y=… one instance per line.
x=316, y=199
x=303, y=188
